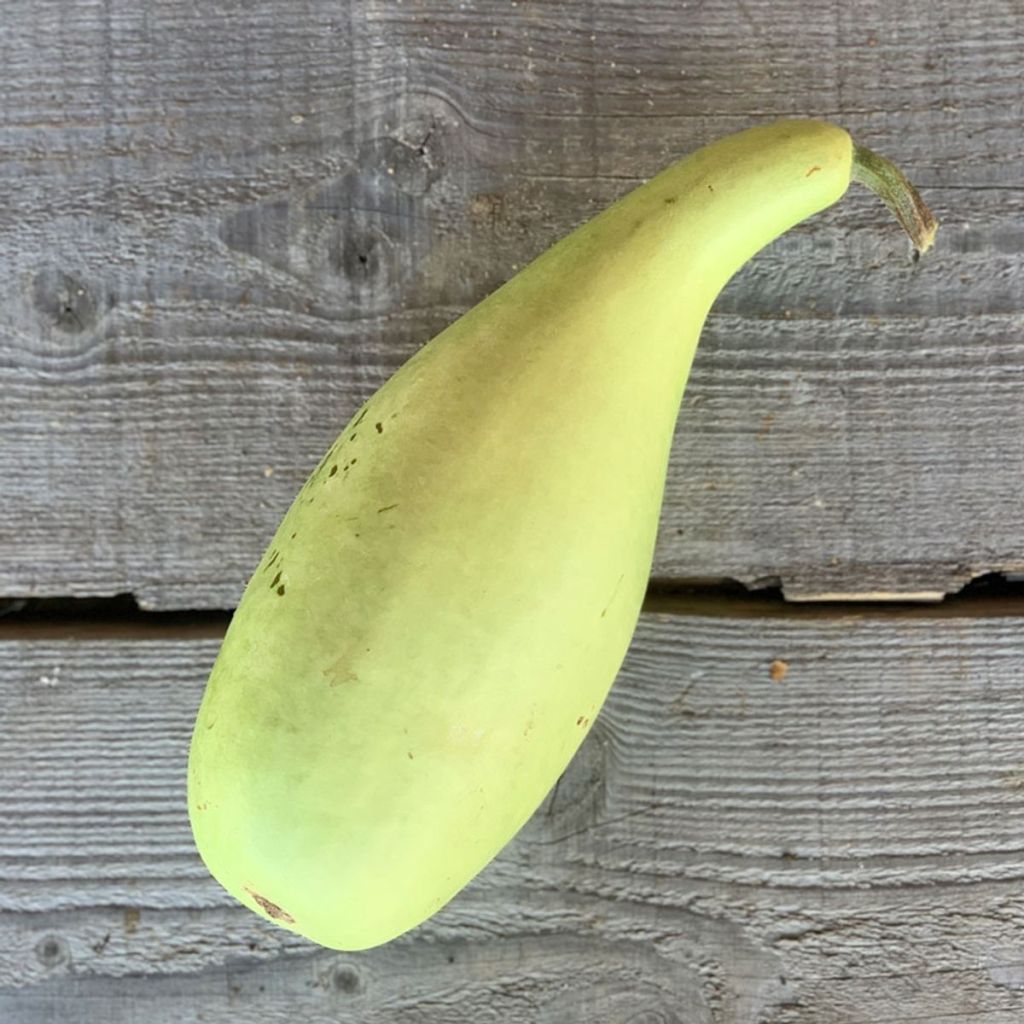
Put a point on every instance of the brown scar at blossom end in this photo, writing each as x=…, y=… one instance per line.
x=272, y=909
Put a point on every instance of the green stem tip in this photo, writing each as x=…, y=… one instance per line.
x=889, y=183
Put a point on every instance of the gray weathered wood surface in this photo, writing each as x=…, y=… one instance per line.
x=225, y=224
x=842, y=844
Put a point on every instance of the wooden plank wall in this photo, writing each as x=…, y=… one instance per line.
x=225, y=224
x=839, y=844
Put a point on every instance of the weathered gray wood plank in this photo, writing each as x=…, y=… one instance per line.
x=740, y=841
x=224, y=225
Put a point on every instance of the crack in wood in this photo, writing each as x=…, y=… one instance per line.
x=990, y=594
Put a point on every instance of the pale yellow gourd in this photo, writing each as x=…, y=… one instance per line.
x=441, y=613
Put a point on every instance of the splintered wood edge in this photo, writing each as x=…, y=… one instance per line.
x=867, y=596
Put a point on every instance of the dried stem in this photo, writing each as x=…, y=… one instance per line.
x=888, y=182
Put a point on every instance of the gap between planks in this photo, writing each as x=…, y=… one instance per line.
x=120, y=617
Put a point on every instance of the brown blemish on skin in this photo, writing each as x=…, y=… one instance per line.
x=580, y=720
x=380, y=427
x=280, y=590
x=410, y=756
x=812, y=170
x=711, y=188
x=277, y=579
x=604, y=611
x=778, y=670
x=387, y=508
x=337, y=673
x=361, y=416
x=669, y=200
x=334, y=469
x=272, y=909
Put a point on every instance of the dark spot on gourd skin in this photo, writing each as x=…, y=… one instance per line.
x=380, y=427
x=275, y=581
x=328, y=455
x=334, y=469
x=272, y=909
x=387, y=508
x=280, y=590
x=361, y=416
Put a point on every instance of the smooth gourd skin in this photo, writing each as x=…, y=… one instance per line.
x=441, y=613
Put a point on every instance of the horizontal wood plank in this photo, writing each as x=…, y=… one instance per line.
x=776, y=818
x=222, y=229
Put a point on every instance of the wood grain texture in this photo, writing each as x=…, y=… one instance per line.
x=777, y=819
x=225, y=224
